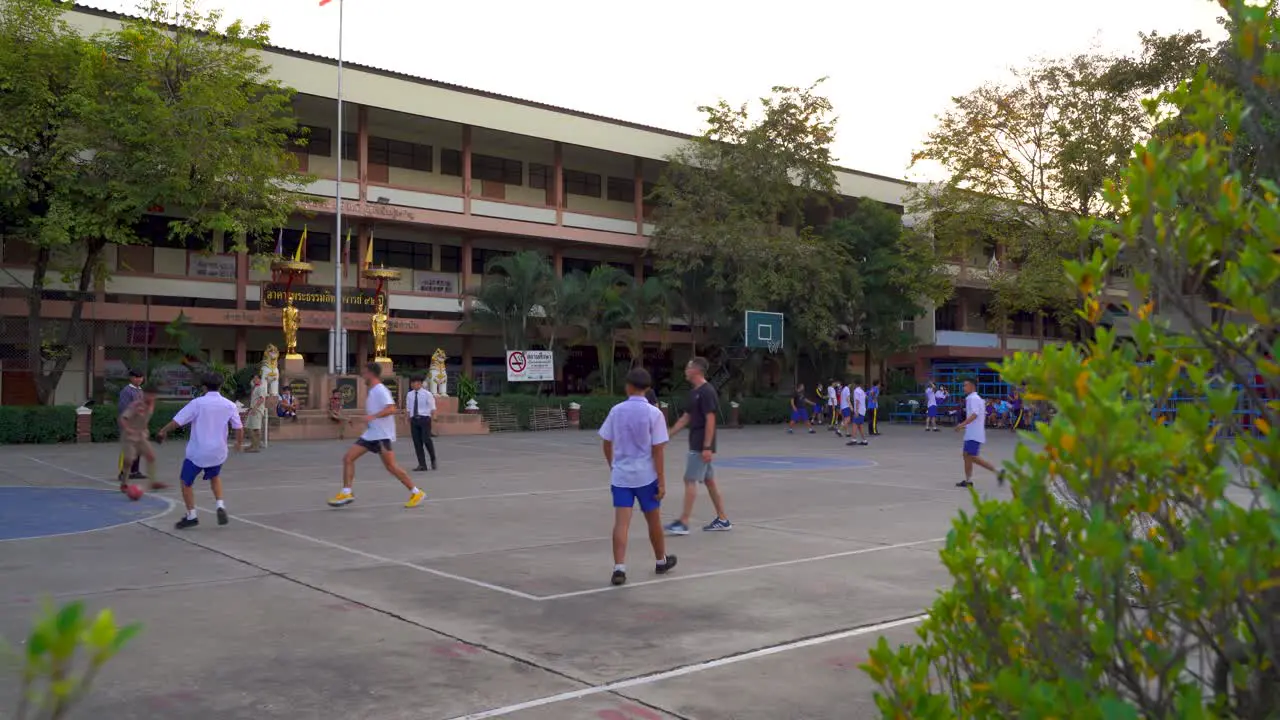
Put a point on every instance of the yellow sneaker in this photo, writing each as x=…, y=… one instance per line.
x=342, y=499
x=416, y=499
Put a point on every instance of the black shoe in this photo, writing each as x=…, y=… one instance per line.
x=186, y=522
x=667, y=566
x=420, y=468
x=619, y=577
x=434, y=466
x=964, y=484
x=222, y=516
x=137, y=476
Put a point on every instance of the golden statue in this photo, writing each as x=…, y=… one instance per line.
x=379, y=323
x=289, y=318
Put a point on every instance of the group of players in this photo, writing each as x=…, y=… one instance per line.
x=847, y=410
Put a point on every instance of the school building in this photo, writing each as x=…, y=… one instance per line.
x=438, y=179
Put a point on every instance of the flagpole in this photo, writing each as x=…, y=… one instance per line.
x=339, y=347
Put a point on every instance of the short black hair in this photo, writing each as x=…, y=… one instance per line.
x=700, y=363
x=972, y=380
x=213, y=381
x=136, y=373
x=417, y=378
x=374, y=368
x=639, y=378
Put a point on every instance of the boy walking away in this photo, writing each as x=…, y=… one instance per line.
x=421, y=406
x=129, y=395
x=134, y=430
x=975, y=434
x=799, y=410
x=930, y=408
x=380, y=410
x=859, y=414
x=635, y=438
x=873, y=408
x=208, y=415
x=700, y=418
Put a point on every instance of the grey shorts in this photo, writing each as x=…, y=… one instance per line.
x=695, y=470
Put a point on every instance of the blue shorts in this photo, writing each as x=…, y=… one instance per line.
x=846, y=412
x=800, y=415
x=859, y=419
x=624, y=497
x=190, y=470
x=972, y=447
x=932, y=411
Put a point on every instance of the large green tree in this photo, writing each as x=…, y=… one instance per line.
x=173, y=109
x=1027, y=157
x=737, y=208
x=1135, y=572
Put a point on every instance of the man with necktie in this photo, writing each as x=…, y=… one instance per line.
x=421, y=405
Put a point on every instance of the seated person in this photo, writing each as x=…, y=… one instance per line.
x=287, y=407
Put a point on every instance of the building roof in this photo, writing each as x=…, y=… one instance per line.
x=453, y=87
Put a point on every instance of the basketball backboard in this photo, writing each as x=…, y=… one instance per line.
x=764, y=329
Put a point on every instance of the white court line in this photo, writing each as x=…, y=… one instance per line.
x=431, y=500
x=386, y=560
x=691, y=669
x=748, y=568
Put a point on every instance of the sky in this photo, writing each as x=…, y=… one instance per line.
x=892, y=67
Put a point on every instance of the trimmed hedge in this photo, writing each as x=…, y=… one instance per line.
x=37, y=424
x=104, y=427
x=751, y=411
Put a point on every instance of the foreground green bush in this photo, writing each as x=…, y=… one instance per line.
x=1136, y=572
x=106, y=428
x=63, y=656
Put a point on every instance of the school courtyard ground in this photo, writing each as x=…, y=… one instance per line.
x=492, y=599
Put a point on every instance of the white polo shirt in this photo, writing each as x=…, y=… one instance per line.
x=844, y=397
x=208, y=415
x=976, y=430
x=384, y=428
x=859, y=401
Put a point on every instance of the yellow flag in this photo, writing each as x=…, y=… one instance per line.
x=300, y=253
x=368, y=255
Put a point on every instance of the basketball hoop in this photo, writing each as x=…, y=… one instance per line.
x=774, y=347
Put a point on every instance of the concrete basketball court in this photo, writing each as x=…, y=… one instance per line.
x=492, y=599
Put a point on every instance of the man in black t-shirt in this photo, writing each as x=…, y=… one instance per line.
x=799, y=410
x=700, y=417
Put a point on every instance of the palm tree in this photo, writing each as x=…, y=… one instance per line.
x=645, y=303
x=515, y=290
x=603, y=314
x=567, y=302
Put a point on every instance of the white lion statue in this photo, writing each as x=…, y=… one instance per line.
x=270, y=370
x=438, y=379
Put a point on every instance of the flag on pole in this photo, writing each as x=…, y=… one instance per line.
x=325, y=2
x=346, y=248
x=280, y=243
x=300, y=253
x=368, y=255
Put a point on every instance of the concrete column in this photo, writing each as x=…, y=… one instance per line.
x=962, y=307
x=466, y=276
x=242, y=276
x=466, y=356
x=557, y=261
x=639, y=271
x=557, y=178
x=466, y=169
x=242, y=347
x=362, y=148
x=362, y=347
x=639, y=199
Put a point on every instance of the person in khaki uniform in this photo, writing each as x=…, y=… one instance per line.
x=134, y=429
x=257, y=415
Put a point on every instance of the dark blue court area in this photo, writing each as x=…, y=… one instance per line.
x=33, y=512
x=789, y=462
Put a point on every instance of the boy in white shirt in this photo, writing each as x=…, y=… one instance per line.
x=930, y=408
x=380, y=411
x=634, y=441
x=846, y=411
x=859, y=414
x=208, y=415
x=975, y=433
x=833, y=404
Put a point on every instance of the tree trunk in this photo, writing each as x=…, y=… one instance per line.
x=47, y=383
x=866, y=363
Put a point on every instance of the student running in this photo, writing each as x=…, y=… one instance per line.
x=700, y=418
x=134, y=424
x=208, y=415
x=975, y=434
x=634, y=438
x=380, y=432
x=799, y=410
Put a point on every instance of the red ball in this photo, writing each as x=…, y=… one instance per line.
x=133, y=491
